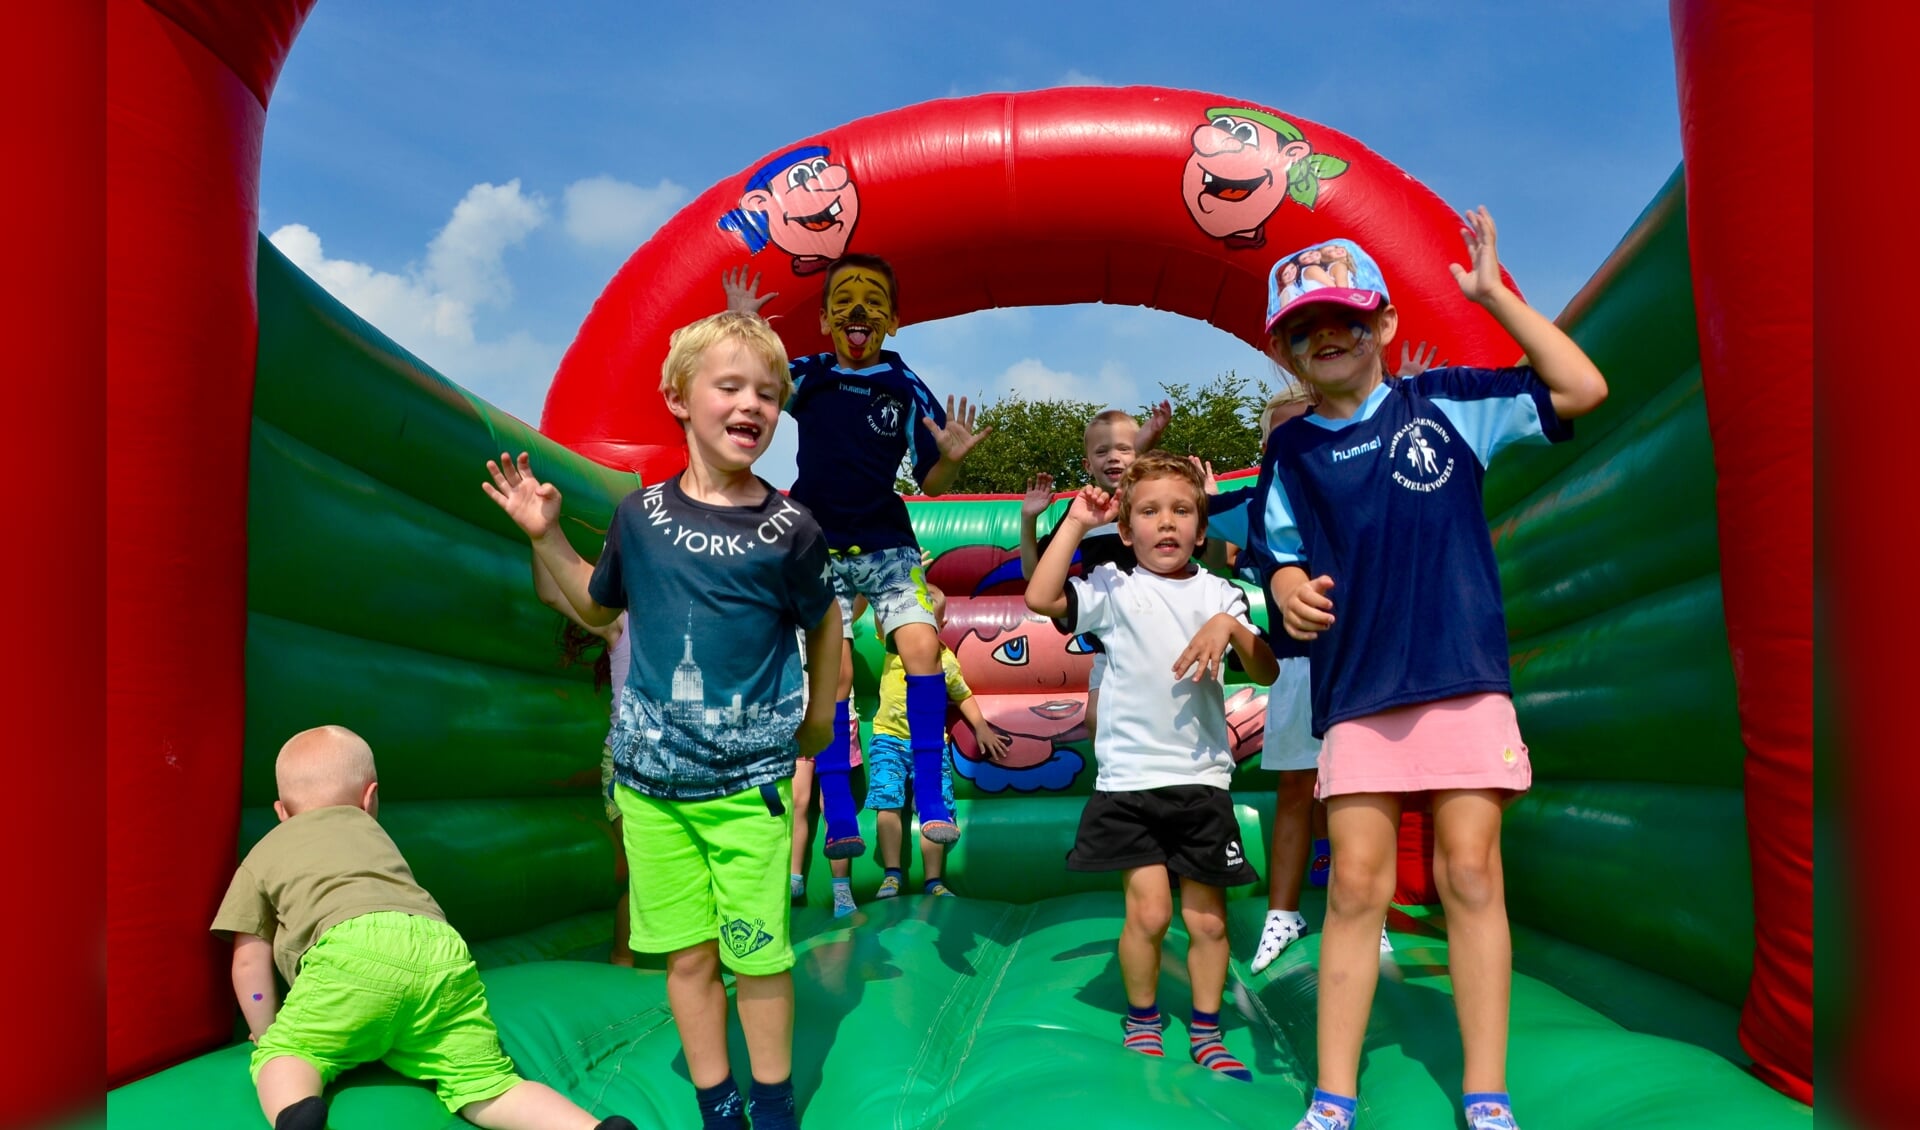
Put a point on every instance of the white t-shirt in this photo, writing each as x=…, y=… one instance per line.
x=1154, y=729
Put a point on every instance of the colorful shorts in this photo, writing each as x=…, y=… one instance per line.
x=891, y=580
x=396, y=988
x=890, y=767
x=704, y=869
x=606, y=783
x=1468, y=742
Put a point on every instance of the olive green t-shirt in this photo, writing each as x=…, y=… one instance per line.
x=313, y=872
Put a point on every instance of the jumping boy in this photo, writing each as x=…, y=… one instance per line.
x=861, y=412
x=373, y=970
x=1160, y=802
x=728, y=572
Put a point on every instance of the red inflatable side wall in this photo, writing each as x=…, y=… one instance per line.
x=1141, y=196
x=185, y=111
x=1746, y=81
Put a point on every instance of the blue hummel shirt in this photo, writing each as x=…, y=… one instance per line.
x=1389, y=505
x=856, y=427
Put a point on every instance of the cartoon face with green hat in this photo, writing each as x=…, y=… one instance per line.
x=1245, y=164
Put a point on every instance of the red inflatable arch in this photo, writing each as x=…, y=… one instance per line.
x=1138, y=195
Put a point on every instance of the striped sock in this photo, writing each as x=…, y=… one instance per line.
x=1142, y=1031
x=1208, y=1050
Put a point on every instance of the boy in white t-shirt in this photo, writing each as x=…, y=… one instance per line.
x=1160, y=802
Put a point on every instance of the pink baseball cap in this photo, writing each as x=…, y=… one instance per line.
x=1334, y=270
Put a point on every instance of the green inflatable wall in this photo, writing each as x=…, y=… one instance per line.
x=388, y=594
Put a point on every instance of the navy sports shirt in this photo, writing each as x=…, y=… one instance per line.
x=1388, y=504
x=856, y=427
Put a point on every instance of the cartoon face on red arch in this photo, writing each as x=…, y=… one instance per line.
x=1245, y=164
x=806, y=204
x=1031, y=680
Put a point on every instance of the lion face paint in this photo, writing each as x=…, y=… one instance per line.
x=859, y=315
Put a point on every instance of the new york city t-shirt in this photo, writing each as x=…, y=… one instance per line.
x=714, y=595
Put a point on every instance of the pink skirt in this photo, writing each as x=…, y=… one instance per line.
x=1469, y=742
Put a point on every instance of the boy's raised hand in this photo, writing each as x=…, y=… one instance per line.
x=1155, y=427
x=1093, y=506
x=1039, y=496
x=740, y=291
x=1308, y=611
x=1481, y=282
x=958, y=437
x=533, y=505
x=1207, y=480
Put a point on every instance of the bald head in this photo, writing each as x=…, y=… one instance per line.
x=321, y=767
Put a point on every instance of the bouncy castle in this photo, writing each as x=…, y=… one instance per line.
x=340, y=564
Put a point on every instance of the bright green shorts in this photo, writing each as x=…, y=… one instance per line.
x=706, y=869
x=396, y=988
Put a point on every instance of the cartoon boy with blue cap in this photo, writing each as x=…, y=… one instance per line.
x=801, y=202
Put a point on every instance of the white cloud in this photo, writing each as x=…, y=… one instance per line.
x=1032, y=379
x=1077, y=77
x=606, y=212
x=429, y=310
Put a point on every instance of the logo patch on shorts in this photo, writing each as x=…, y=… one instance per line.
x=1234, y=856
x=743, y=937
x=1507, y=755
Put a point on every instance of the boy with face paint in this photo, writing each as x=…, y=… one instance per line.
x=1372, y=538
x=861, y=412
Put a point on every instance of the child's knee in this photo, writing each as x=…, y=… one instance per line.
x=1358, y=884
x=1466, y=879
x=1151, y=918
x=1295, y=790
x=1204, y=924
x=919, y=647
x=695, y=962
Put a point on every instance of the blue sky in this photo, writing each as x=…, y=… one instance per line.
x=468, y=176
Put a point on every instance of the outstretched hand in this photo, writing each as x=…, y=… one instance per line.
x=992, y=743
x=957, y=437
x=1093, y=506
x=740, y=291
x=1039, y=496
x=1415, y=360
x=1481, y=282
x=533, y=505
x=1155, y=427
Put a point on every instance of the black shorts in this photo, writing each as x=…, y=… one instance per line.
x=1190, y=828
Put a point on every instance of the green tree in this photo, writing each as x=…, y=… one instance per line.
x=1216, y=421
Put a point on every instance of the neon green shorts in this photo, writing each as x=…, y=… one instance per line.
x=396, y=988
x=712, y=869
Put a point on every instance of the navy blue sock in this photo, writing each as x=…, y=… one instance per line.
x=308, y=1114
x=770, y=1106
x=836, y=789
x=927, y=735
x=892, y=873
x=720, y=1106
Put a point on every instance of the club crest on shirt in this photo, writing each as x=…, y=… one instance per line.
x=1418, y=455
x=884, y=415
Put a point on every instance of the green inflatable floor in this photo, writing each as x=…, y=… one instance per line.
x=968, y=1013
